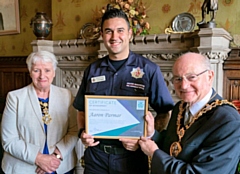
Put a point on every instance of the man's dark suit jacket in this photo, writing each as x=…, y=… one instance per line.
x=210, y=146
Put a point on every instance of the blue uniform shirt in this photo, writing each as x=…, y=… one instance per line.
x=137, y=77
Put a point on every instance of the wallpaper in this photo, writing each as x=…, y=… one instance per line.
x=20, y=44
x=69, y=16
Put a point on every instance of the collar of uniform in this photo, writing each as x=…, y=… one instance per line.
x=132, y=61
x=104, y=61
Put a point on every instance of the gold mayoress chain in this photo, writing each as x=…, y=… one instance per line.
x=176, y=147
x=46, y=118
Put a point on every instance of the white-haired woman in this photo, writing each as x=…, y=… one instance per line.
x=38, y=128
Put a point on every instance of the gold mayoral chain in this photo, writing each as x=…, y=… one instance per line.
x=175, y=147
x=46, y=118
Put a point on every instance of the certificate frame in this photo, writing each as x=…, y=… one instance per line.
x=115, y=117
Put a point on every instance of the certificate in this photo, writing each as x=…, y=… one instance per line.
x=114, y=117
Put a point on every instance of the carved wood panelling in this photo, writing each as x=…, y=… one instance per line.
x=234, y=92
x=232, y=86
x=231, y=83
x=13, y=75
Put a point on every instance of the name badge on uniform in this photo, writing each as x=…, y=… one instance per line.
x=98, y=79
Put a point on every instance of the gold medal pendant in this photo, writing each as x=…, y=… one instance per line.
x=46, y=119
x=175, y=149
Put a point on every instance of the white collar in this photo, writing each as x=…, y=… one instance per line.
x=199, y=105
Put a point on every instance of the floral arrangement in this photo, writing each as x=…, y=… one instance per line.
x=136, y=12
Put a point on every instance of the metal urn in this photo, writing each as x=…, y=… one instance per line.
x=41, y=25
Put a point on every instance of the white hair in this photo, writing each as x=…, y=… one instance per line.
x=44, y=56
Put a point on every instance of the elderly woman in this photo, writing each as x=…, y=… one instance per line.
x=38, y=128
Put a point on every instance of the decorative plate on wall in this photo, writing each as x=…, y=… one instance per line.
x=184, y=22
x=88, y=32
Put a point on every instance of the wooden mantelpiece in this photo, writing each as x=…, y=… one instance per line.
x=75, y=55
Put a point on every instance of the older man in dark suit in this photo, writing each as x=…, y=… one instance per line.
x=203, y=135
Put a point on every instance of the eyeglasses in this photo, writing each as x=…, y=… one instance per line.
x=188, y=77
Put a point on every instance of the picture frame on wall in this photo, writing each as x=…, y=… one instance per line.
x=9, y=17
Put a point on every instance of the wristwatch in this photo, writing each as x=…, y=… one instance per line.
x=57, y=156
x=80, y=132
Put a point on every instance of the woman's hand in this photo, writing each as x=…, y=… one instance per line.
x=46, y=163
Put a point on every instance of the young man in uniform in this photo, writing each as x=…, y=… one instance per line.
x=121, y=73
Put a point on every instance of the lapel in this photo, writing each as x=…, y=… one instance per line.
x=32, y=95
x=53, y=103
x=201, y=120
x=56, y=98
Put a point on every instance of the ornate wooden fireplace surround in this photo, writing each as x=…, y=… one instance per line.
x=75, y=55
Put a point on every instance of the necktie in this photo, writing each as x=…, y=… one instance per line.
x=187, y=116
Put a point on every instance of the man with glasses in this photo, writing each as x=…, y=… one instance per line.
x=203, y=134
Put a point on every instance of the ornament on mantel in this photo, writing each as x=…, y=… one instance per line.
x=41, y=25
x=208, y=7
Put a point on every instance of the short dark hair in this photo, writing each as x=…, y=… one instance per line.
x=114, y=13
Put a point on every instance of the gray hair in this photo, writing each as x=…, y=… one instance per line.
x=43, y=56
